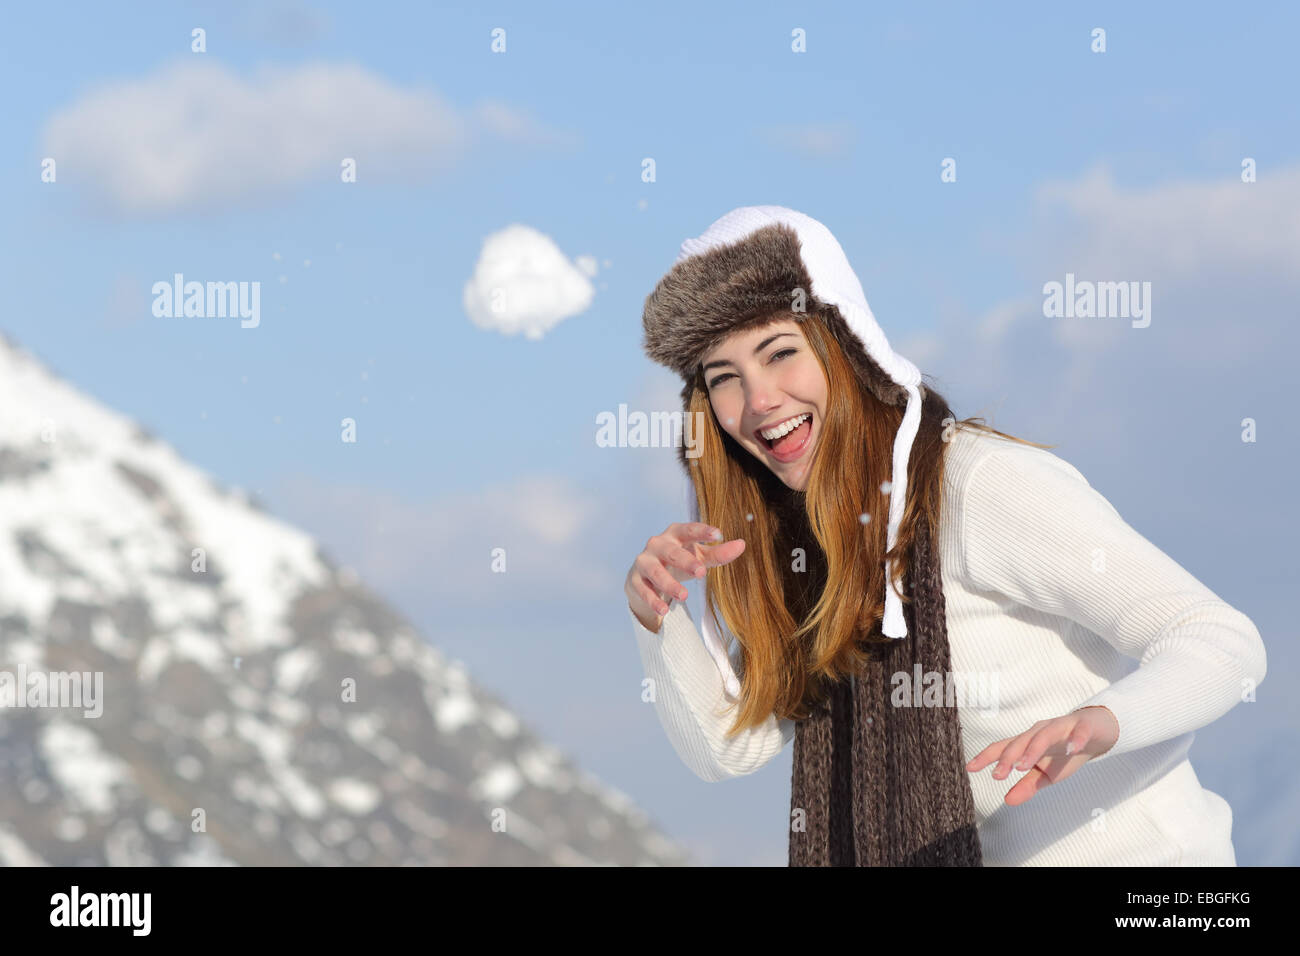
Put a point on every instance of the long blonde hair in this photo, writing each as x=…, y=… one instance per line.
x=809, y=586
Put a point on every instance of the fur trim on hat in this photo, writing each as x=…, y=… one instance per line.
x=707, y=297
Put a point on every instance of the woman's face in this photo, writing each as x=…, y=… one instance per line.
x=761, y=378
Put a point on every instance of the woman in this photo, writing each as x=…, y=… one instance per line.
x=915, y=600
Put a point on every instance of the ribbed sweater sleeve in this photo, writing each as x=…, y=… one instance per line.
x=692, y=705
x=1034, y=530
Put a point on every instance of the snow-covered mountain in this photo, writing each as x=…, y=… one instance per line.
x=258, y=704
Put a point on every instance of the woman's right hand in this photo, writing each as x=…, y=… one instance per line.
x=682, y=553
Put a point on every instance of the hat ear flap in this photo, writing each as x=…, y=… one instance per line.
x=866, y=368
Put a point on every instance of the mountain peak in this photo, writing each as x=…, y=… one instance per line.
x=257, y=705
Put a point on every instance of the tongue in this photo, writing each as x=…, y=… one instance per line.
x=791, y=439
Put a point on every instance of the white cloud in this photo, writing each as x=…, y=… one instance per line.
x=995, y=323
x=1191, y=240
x=510, y=125
x=426, y=552
x=920, y=349
x=195, y=134
x=1183, y=227
x=522, y=282
x=1220, y=256
x=548, y=508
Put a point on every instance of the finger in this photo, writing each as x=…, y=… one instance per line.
x=987, y=755
x=651, y=597
x=721, y=554
x=659, y=601
x=1058, y=738
x=1050, y=737
x=690, y=531
x=1079, y=739
x=1026, y=787
x=1014, y=750
x=660, y=577
x=1053, y=769
x=688, y=564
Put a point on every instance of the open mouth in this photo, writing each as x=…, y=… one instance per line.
x=791, y=444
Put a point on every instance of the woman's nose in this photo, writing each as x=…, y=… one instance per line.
x=761, y=398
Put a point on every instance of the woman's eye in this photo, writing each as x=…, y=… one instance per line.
x=777, y=355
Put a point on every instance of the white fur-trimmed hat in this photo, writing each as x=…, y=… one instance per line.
x=745, y=266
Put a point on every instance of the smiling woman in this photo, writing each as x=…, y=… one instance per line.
x=818, y=598
x=815, y=629
x=854, y=521
x=768, y=392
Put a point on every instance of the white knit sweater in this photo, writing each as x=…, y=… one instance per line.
x=1052, y=595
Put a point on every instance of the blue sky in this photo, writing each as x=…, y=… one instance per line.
x=1122, y=165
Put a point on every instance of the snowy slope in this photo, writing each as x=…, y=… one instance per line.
x=227, y=643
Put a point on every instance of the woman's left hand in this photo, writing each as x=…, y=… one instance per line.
x=1051, y=750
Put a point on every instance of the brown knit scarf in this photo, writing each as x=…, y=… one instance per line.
x=880, y=785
